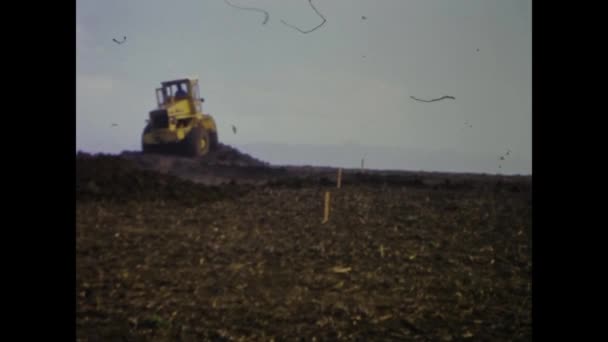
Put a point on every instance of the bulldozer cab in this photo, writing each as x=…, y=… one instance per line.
x=179, y=90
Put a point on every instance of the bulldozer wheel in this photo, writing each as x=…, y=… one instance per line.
x=147, y=148
x=197, y=142
x=213, y=140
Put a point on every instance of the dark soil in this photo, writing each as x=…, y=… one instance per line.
x=113, y=178
x=404, y=256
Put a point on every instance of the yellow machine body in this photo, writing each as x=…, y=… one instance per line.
x=179, y=116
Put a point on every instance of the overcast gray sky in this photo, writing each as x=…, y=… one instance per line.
x=346, y=85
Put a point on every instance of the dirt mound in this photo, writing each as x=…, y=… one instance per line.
x=223, y=155
x=227, y=155
x=224, y=165
x=113, y=178
x=228, y=165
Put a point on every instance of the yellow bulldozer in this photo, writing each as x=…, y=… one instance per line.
x=178, y=125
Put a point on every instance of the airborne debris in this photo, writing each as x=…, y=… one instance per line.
x=314, y=28
x=503, y=158
x=433, y=100
x=124, y=39
x=266, y=15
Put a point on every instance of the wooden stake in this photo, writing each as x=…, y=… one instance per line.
x=339, y=178
x=326, y=212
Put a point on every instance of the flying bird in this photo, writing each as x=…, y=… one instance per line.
x=477, y=50
x=363, y=17
x=124, y=39
x=233, y=129
x=114, y=125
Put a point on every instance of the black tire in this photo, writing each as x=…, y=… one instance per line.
x=144, y=147
x=214, y=141
x=148, y=149
x=194, y=142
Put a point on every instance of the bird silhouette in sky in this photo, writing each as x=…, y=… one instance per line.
x=234, y=129
x=114, y=125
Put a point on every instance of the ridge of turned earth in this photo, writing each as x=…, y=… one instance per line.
x=228, y=165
